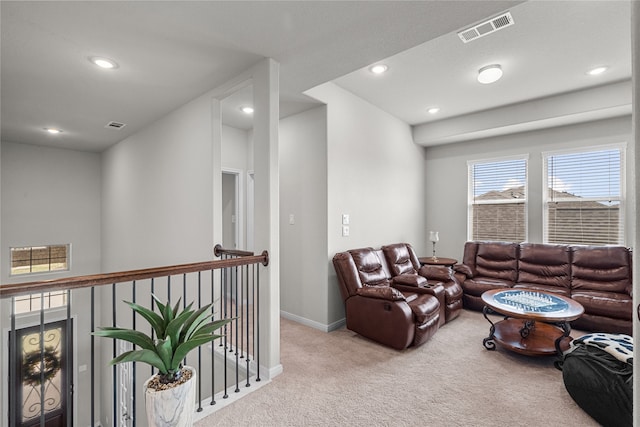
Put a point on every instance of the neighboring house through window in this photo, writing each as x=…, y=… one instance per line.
x=584, y=201
x=498, y=199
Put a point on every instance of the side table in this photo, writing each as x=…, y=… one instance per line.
x=448, y=262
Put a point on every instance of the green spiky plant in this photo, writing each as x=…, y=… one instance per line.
x=177, y=333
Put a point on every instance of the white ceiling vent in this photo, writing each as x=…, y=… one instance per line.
x=115, y=125
x=487, y=27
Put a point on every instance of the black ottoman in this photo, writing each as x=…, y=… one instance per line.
x=598, y=374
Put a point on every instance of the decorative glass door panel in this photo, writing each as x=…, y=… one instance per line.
x=43, y=380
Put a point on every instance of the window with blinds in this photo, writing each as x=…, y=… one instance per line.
x=498, y=200
x=584, y=197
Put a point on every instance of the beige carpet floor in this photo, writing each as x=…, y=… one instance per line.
x=340, y=378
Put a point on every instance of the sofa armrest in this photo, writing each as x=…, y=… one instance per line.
x=463, y=269
x=409, y=280
x=434, y=288
x=380, y=292
x=436, y=272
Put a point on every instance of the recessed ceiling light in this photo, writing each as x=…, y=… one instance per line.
x=247, y=110
x=597, y=70
x=433, y=110
x=489, y=74
x=53, y=130
x=105, y=63
x=378, y=68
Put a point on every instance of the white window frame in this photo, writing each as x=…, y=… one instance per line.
x=622, y=146
x=471, y=193
x=43, y=300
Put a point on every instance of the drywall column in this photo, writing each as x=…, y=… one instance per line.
x=265, y=79
x=635, y=135
x=267, y=202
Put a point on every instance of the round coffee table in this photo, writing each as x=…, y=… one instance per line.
x=536, y=323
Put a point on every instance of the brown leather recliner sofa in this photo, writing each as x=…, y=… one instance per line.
x=391, y=299
x=598, y=277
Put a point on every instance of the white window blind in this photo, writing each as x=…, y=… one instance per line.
x=584, y=198
x=498, y=200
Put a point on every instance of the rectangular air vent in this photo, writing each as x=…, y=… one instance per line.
x=115, y=125
x=486, y=27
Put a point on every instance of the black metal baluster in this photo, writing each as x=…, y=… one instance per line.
x=93, y=357
x=248, y=384
x=224, y=354
x=241, y=319
x=115, y=354
x=13, y=349
x=213, y=350
x=230, y=304
x=153, y=304
x=169, y=288
x=236, y=340
x=184, y=304
x=68, y=351
x=133, y=367
x=42, y=367
x=200, y=347
x=257, y=303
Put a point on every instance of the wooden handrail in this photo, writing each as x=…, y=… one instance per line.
x=77, y=282
x=218, y=250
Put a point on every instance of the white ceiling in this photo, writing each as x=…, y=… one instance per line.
x=170, y=52
x=547, y=51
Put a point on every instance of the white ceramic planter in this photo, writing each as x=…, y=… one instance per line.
x=173, y=407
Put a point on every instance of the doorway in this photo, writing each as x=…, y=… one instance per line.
x=32, y=393
x=231, y=213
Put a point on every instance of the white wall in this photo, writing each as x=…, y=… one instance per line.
x=235, y=148
x=157, y=193
x=375, y=174
x=446, y=175
x=303, y=194
x=51, y=196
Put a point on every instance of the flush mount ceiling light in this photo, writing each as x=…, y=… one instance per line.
x=489, y=74
x=597, y=70
x=53, y=131
x=378, y=68
x=433, y=110
x=106, y=63
x=247, y=109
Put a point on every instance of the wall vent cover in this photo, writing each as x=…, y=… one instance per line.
x=486, y=27
x=115, y=125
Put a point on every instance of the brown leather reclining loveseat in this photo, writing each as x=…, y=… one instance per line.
x=390, y=299
x=598, y=277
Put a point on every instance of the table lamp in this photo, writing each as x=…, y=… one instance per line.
x=433, y=236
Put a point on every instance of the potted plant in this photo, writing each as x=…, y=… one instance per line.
x=170, y=395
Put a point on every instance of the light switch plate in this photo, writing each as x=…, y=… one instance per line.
x=345, y=231
x=345, y=219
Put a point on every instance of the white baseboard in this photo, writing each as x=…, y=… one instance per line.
x=338, y=324
x=221, y=402
x=275, y=371
x=312, y=323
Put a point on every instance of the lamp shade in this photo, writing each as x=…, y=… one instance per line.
x=433, y=236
